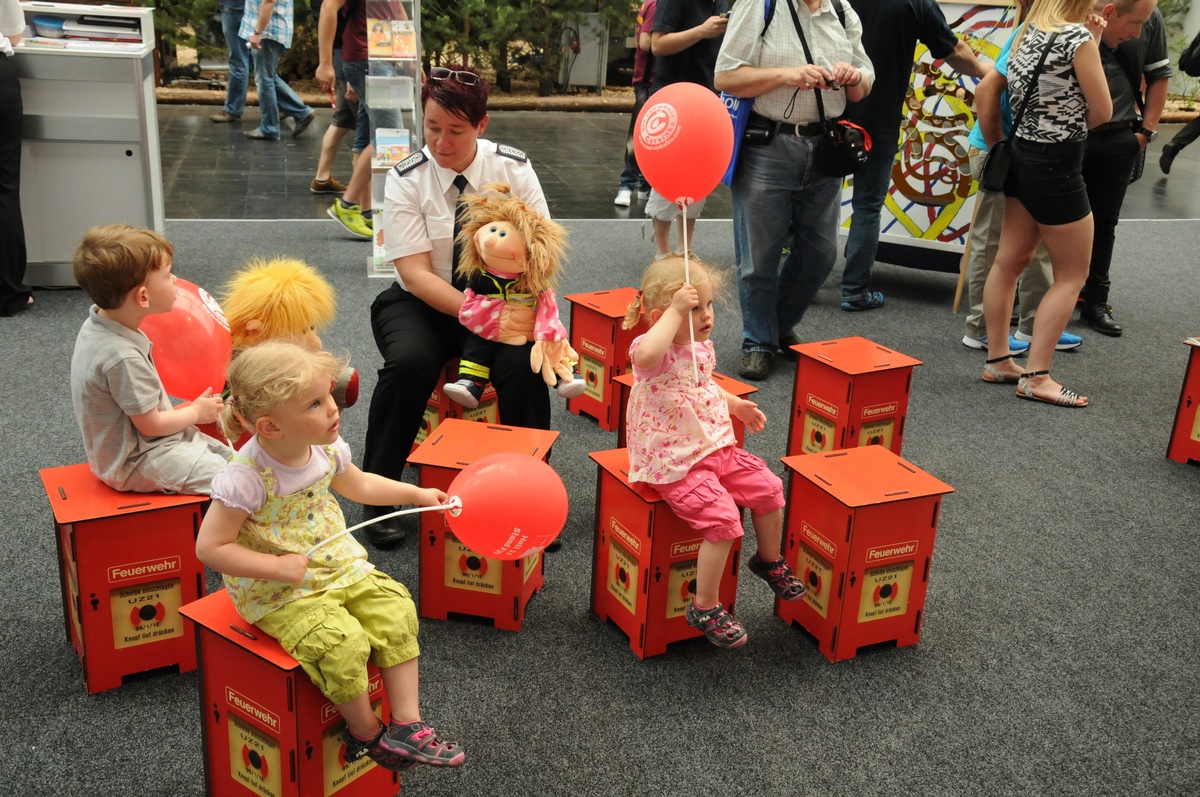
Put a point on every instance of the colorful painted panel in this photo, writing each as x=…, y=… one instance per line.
x=932, y=195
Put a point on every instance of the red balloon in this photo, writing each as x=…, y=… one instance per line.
x=513, y=505
x=683, y=141
x=191, y=343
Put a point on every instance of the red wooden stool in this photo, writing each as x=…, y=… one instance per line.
x=849, y=392
x=1185, y=434
x=859, y=531
x=644, y=561
x=603, y=349
x=127, y=562
x=267, y=730
x=453, y=577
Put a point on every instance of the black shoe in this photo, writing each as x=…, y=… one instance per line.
x=1167, y=158
x=386, y=534
x=786, y=342
x=1100, y=317
x=755, y=365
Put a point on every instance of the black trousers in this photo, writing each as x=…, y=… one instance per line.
x=1107, y=163
x=416, y=343
x=13, y=291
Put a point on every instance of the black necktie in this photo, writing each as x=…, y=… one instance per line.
x=460, y=182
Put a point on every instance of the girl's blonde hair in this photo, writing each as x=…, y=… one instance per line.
x=264, y=377
x=662, y=279
x=1051, y=16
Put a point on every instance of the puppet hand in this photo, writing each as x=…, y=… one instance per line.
x=516, y=323
x=546, y=358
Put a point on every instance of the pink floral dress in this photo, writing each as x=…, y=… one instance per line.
x=672, y=422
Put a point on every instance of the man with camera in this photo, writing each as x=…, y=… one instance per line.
x=784, y=60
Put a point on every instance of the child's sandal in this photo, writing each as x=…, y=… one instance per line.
x=993, y=375
x=417, y=743
x=357, y=748
x=779, y=577
x=718, y=625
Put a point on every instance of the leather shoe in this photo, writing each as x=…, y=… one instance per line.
x=1100, y=317
x=1167, y=158
x=386, y=534
x=786, y=342
x=755, y=365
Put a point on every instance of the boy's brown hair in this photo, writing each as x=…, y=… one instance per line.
x=113, y=259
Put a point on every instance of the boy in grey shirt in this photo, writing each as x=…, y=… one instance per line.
x=135, y=439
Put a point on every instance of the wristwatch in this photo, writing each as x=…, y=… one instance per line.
x=1148, y=133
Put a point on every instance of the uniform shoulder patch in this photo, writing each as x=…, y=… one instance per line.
x=512, y=152
x=411, y=162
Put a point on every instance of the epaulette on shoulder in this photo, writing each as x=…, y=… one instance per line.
x=511, y=152
x=411, y=162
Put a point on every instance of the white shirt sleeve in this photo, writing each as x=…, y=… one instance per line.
x=12, y=23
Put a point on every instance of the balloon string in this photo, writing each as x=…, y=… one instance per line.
x=687, y=277
x=455, y=503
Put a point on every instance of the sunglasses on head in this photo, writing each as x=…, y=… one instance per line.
x=442, y=73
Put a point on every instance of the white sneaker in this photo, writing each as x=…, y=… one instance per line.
x=624, y=198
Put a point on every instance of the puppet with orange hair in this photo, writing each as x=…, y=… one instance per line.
x=510, y=252
x=284, y=298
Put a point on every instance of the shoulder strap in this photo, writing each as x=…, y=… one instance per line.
x=768, y=15
x=1032, y=80
x=1122, y=57
x=808, y=52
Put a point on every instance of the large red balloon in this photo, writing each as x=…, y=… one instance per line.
x=683, y=141
x=513, y=505
x=191, y=343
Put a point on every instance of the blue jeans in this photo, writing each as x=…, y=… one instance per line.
x=239, y=62
x=870, y=192
x=356, y=78
x=776, y=192
x=631, y=175
x=275, y=97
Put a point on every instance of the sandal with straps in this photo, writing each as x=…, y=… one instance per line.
x=992, y=374
x=779, y=577
x=717, y=625
x=1065, y=398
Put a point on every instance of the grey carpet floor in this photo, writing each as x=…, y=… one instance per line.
x=1058, y=649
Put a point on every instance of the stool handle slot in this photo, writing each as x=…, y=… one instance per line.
x=62, y=493
x=242, y=631
x=133, y=506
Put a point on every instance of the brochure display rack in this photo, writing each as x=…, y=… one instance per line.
x=393, y=95
x=90, y=153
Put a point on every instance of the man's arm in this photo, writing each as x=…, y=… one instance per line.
x=965, y=62
x=1156, y=101
x=326, y=33
x=260, y=25
x=663, y=43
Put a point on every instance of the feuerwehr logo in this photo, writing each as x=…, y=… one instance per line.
x=660, y=125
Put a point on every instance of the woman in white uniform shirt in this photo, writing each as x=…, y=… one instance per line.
x=415, y=321
x=15, y=296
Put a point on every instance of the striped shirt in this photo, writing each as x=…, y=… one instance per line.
x=279, y=26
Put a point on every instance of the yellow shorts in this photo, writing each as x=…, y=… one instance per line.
x=332, y=633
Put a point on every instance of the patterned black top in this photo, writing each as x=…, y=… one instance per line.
x=1057, y=110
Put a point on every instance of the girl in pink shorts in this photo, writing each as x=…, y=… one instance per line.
x=681, y=441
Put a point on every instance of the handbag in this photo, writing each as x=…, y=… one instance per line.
x=842, y=149
x=739, y=110
x=999, y=157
